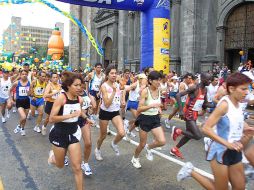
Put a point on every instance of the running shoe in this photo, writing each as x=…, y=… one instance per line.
x=135, y=162
x=17, y=129
x=115, y=148
x=14, y=110
x=108, y=130
x=86, y=168
x=97, y=154
x=43, y=130
x=175, y=133
x=29, y=116
x=167, y=124
x=176, y=152
x=37, y=129
x=137, y=129
x=66, y=161
x=207, y=142
x=3, y=120
x=22, y=132
x=185, y=171
x=149, y=154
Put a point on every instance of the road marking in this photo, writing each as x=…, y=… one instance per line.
x=1, y=184
x=177, y=119
x=202, y=172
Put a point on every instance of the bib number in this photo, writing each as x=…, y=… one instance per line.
x=198, y=105
x=23, y=91
x=86, y=102
x=69, y=109
x=39, y=91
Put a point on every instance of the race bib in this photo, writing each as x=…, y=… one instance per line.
x=198, y=105
x=55, y=95
x=39, y=91
x=96, y=86
x=69, y=109
x=236, y=132
x=23, y=91
x=86, y=102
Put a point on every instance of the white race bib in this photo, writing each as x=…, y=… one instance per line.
x=69, y=109
x=86, y=102
x=55, y=95
x=23, y=90
x=39, y=91
x=198, y=105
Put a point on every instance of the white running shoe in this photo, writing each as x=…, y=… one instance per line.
x=167, y=124
x=22, y=132
x=149, y=154
x=137, y=129
x=29, y=116
x=17, y=129
x=14, y=110
x=86, y=168
x=43, y=130
x=185, y=171
x=115, y=148
x=37, y=129
x=135, y=162
x=36, y=112
x=97, y=154
x=66, y=161
x=3, y=120
x=207, y=142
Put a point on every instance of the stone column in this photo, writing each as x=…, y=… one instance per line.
x=130, y=36
x=115, y=43
x=175, y=59
x=220, y=44
x=75, y=38
x=122, y=29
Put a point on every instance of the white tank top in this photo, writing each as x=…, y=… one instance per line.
x=149, y=101
x=230, y=126
x=115, y=106
x=96, y=82
x=134, y=94
x=5, y=88
x=174, y=87
x=184, y=98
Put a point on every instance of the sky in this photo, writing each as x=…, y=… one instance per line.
x=36, y=14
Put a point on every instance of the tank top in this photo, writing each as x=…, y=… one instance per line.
x=86, y=101
x=68, y=126
x=134, y=94
x=22, y=91
x=5, y=87
x=163, y=88
x=39, y=89
x=96, y=82
x=184, y=98
x=115, y=106
x=150, y=100
x=175, y=87
x=230, y=126
x=53, y=89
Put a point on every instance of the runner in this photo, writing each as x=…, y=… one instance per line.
x=149, y=120
x=187, y=81
x=5, y=100
x=174, y=88
x=95, y=80
x=224, y=153
x=196, y=101
x=52, y=91
x=65, y=134
x=110, y=107
x=85, y=125
x=212, y=90
x=22, y=100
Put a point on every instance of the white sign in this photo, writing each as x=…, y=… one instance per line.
x=108, y=2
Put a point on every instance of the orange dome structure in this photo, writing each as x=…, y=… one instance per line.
x=56, y=45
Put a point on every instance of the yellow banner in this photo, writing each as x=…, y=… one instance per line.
x=161, y=44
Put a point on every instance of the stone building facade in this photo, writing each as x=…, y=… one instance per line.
x=203, y=32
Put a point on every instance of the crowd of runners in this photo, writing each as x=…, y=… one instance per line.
x=72, y=102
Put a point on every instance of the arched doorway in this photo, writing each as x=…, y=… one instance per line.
x=239, y=35
x=108, y=45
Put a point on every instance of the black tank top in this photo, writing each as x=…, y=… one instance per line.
x=68, y=126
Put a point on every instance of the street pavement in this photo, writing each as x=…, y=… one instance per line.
x=23, y=162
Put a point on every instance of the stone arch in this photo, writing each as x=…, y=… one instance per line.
x=107, y=46
x=228, y=9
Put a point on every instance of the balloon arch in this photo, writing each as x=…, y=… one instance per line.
x=155, y=26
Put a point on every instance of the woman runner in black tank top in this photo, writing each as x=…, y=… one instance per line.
x=65, y=134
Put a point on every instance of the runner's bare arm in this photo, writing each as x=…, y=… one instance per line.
x=107, y=100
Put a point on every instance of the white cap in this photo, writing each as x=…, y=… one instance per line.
x=174, y=78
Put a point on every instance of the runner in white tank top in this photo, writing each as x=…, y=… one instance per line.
x=149, y=119
x=112, y=99
x=5, y=100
